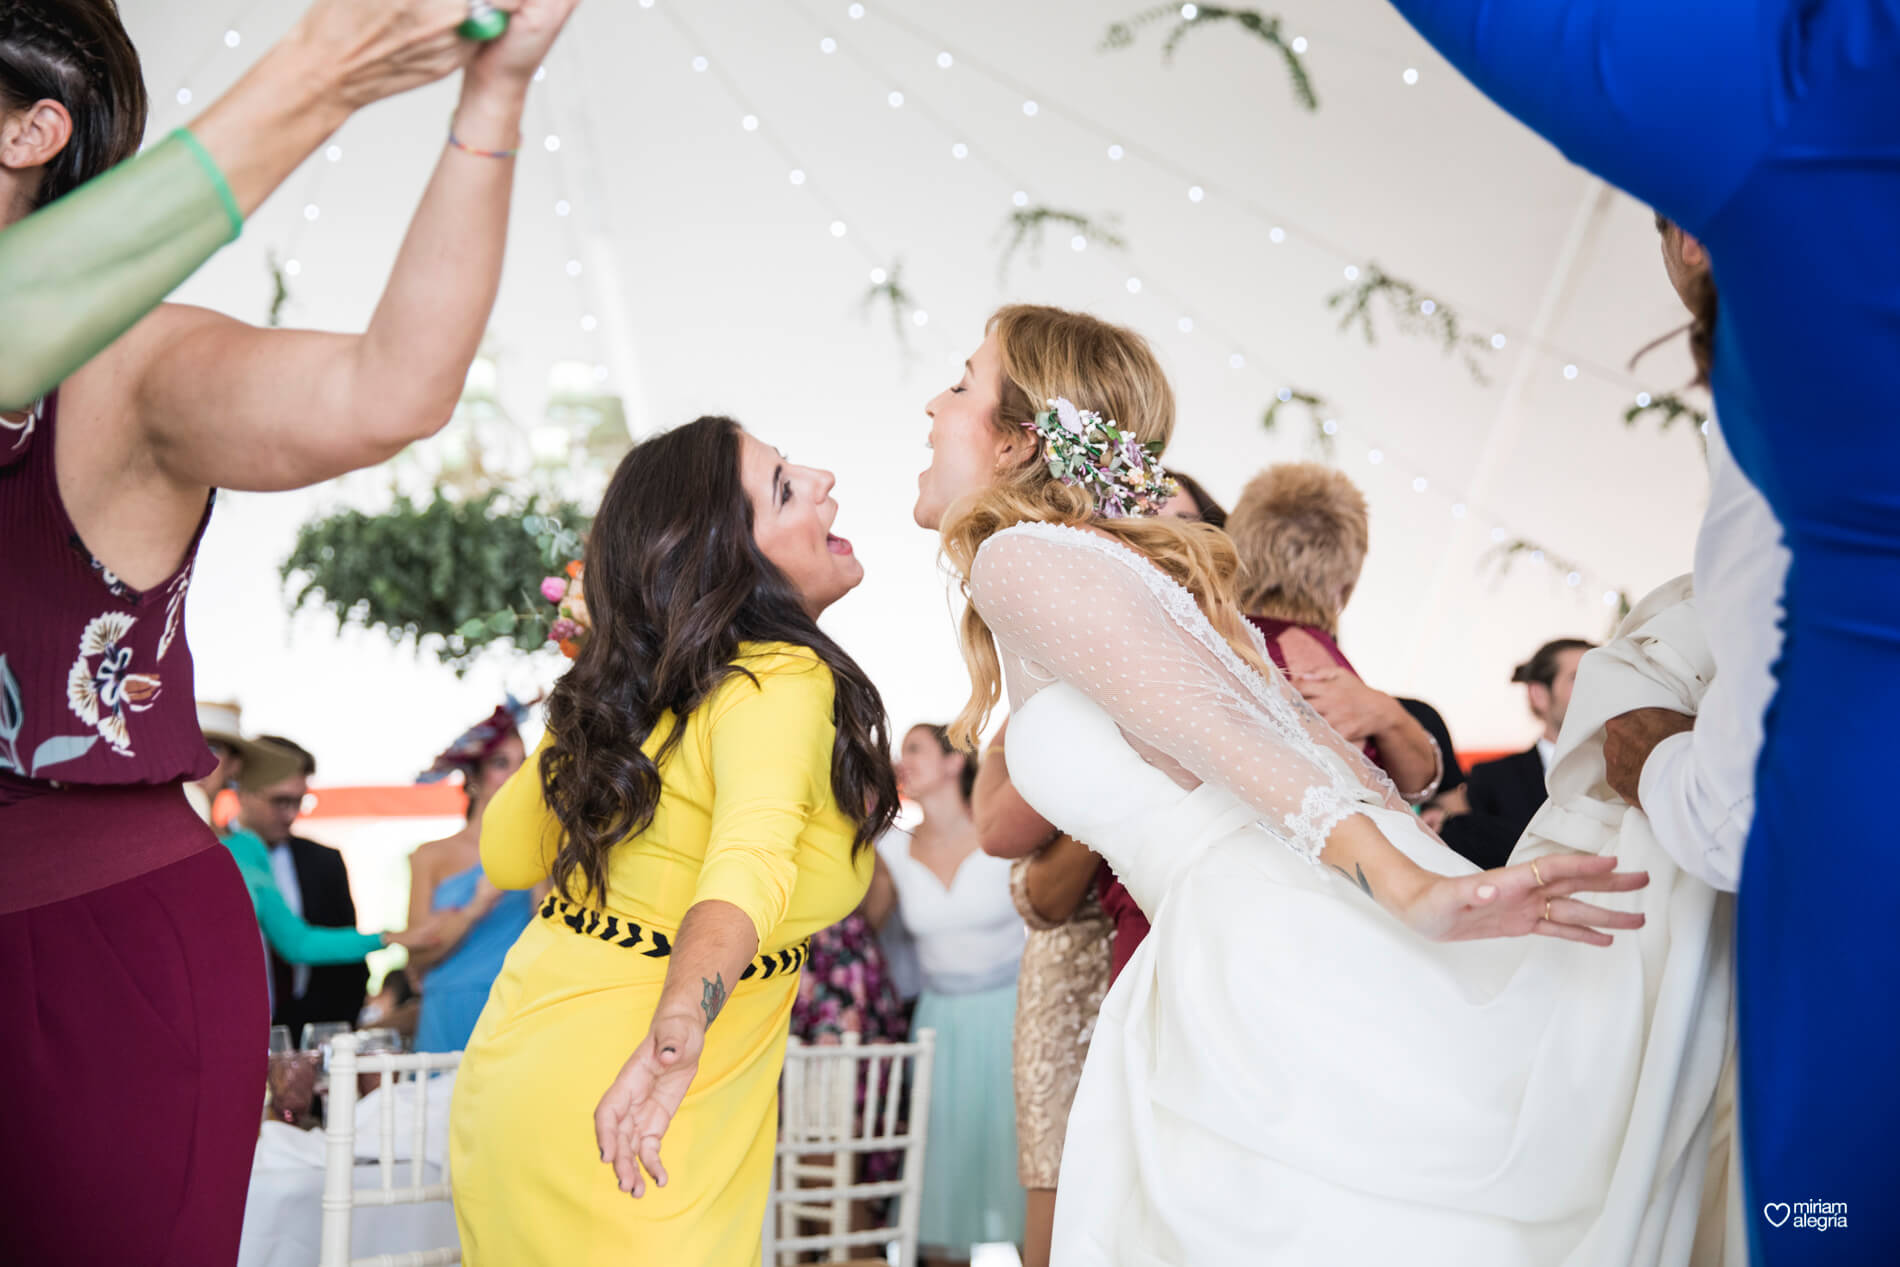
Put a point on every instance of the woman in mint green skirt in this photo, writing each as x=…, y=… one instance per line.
x=954, y=900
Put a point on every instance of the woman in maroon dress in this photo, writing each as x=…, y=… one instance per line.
x=131, y=973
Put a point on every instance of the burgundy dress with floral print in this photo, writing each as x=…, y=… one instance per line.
x=124, y=927
x=95, y=676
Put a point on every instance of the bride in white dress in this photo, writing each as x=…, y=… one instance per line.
x=1337, y=1046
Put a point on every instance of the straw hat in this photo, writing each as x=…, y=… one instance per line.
x=264, y=763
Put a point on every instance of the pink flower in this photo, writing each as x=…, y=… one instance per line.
x=554, y=588
x=563, y=630
x=1068, y=415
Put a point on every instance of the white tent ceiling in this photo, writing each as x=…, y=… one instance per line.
x=708, y=281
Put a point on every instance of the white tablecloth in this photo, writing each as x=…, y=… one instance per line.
x=283, y=1214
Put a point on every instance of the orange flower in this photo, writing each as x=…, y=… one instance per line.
x=140, y=690
x=570, y=648
x=574, y=568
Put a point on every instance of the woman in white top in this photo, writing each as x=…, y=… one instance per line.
x=954, y=901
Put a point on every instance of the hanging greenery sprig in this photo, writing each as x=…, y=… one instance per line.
x=1025, y=227
x=1315, y=407
x=1186, y=17
x=1507, y=553
x=457, y=572
x=280, y=290
x=1415, y=313
x=892, y=293
x=1671, y=409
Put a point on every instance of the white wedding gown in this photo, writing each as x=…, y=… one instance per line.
x=1285, y=1074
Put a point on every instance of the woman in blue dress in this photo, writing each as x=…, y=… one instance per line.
x=1770, y=130
x=446, y=875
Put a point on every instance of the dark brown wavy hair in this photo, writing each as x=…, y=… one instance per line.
x=674, y=584
x=75, y=52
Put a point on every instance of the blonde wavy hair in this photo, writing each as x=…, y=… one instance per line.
x=1050, y=352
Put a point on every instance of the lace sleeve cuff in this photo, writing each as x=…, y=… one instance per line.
x=1322, y=808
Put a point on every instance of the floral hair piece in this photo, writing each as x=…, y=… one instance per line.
x=1124, y=476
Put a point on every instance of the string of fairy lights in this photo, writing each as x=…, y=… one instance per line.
x=1505, y=541
x=571, y=159
x=1199, y=188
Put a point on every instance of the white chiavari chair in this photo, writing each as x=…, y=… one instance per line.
x=822, y=1133
x=341, y=1196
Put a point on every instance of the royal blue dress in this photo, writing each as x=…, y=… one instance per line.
x=455, y=990
x=1770, y=129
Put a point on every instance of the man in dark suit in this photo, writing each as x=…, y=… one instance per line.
x=1484, y=819
x=316, y=885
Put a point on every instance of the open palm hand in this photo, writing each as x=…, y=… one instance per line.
x=634, y=1114
x=1526, y=899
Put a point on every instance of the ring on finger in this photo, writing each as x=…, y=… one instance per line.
x=1547, y=918
x=1538, y=874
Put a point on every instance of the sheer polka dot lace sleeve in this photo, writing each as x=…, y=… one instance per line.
x=1067, y=605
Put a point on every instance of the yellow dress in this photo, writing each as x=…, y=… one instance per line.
x=746, y=815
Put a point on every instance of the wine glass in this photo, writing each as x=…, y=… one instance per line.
x=290, y=1081
x=279, y=1047
x=373, y=1042
x=317, y=1036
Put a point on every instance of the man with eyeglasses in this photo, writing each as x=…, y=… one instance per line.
x=315, y=885
x=223, y=729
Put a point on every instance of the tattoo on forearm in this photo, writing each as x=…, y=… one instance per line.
x=1361, y=881
x=714, y=999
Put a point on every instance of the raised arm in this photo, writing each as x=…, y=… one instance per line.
x=1076, y=607
x=1673, y=100
x=220, y=403
x=76, y=275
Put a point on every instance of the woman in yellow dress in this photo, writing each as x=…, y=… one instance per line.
x=714, y=772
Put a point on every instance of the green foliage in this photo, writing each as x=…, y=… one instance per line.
x=1509, y=552
x=1314, y=406
x=1414, y=312
x=464, y=574
x=280, y=290
x=891, y=292
x=1672, y=408
x=1267, y=29
x=1025, y=226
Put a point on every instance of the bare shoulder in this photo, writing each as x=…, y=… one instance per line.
x=436, y=854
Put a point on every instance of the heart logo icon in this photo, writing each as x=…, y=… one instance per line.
x=1776, y=1212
